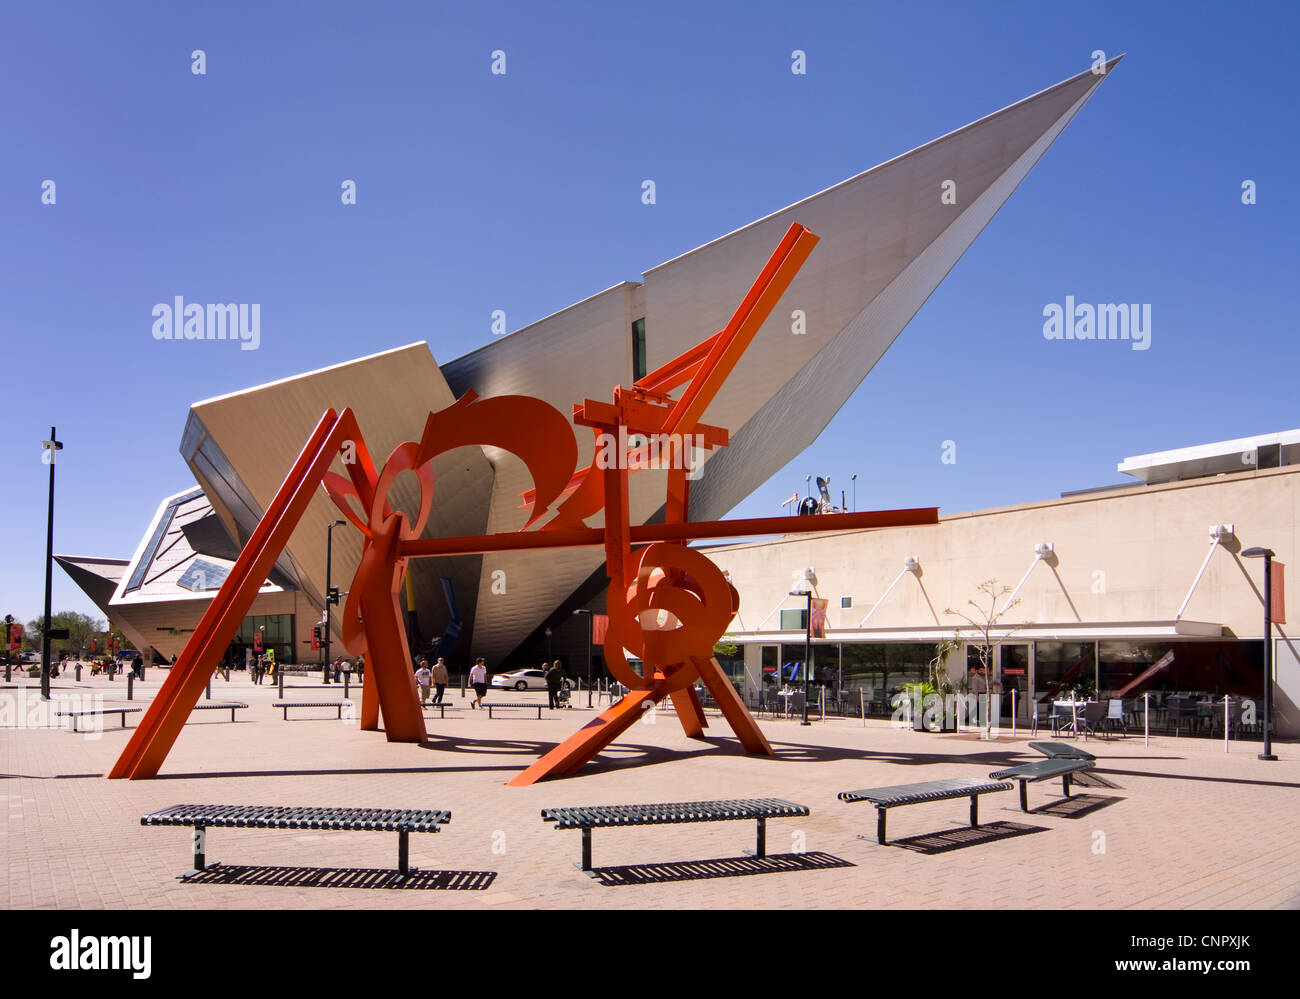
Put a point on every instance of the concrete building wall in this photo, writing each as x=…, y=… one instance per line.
x=1129, y=555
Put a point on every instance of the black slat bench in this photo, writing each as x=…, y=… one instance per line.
x=442, y=708
x=1041, y=770
x=1062, y=751
x=286, y=705
x=233, y=706
x=885, y=798
x=513, y=704
x=83, y=712
x=593, y=816
x=402, y=821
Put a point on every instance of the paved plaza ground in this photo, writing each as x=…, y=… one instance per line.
x=1185, y=826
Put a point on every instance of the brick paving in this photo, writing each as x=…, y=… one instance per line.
x=1188, y=826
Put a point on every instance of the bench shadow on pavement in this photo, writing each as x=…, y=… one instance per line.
x=343, y=877
x=960, y=837
x=723, y=867
x=1076, y=806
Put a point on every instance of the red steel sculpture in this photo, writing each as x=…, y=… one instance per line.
x=667, y=603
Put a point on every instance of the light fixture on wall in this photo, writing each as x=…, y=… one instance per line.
x=911, y=564
x=1221, y=532
x=1044, y=548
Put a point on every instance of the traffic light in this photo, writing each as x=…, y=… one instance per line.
x=315, y=636
x=332, y=595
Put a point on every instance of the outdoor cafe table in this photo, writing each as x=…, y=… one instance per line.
x=1072, y=708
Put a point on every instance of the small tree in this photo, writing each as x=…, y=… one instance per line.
x=984, y=623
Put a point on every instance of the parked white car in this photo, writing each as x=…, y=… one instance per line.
x=520, y=679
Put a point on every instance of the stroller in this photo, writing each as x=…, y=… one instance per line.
x=562, y=695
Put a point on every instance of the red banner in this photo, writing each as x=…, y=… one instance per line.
x=1277, y=612
x=599, y=625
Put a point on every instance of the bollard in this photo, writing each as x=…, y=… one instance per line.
x=1146, y=718
x=279, y=680
x=78, y=672
x=1014, y=691
x=209, y=689
x=1227, y=721
x=8, y=671
x=347, y=677
x=130, y=686
x=462, y=686
x=862, y=706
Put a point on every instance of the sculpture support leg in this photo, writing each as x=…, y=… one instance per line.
x=733, y=708
x=689, y=712
x=589, y=740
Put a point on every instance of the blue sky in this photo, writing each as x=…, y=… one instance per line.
x=522, y=192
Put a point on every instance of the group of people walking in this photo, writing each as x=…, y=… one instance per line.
x=435, y=678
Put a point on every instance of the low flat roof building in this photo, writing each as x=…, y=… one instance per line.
x=1105, y=584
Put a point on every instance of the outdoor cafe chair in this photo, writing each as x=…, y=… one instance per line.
x=1115, y=713
x=1093, y=717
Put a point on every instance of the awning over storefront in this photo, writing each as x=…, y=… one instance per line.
x=1068, y=631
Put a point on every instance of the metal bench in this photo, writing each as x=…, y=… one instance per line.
x=593, y=816
x=402, y=821
x=286, y=705
x=885, y=798
x=512, y=704
x=442, y=708
x=220, y=706
x=1041, y=770
x=74, y=715
x=1062, y=751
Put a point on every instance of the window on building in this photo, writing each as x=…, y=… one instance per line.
x=639, y=368
x=794, y=620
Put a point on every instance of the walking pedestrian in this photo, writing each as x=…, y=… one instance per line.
x=554, y=677
x=439, y=679
x=422, y=677
x=478, y=679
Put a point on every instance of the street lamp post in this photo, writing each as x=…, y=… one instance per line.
x=855, y=492
x=51, y=446
x=591, y=623
x=1267, y=555
x=548, y=647
x=331, y=596
x=807, y=650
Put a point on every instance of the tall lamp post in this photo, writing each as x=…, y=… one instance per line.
x=1267, y=555
x=807, y=649
x=548, y=647
x=591, y=623
x=855, y=492
x=51, y=446
x=331, y=592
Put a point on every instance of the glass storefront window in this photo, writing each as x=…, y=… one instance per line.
x=1060, y=667
x=1199, y=668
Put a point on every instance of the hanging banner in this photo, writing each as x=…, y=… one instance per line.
x=1277, y=612
x=818, y=622
x=599, y=625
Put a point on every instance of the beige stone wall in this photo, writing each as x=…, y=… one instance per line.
x=1122, y=555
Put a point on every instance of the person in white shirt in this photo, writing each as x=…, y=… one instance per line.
x=478, y=679
x=423, y=676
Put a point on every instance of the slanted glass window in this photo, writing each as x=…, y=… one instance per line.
x=639, y=368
